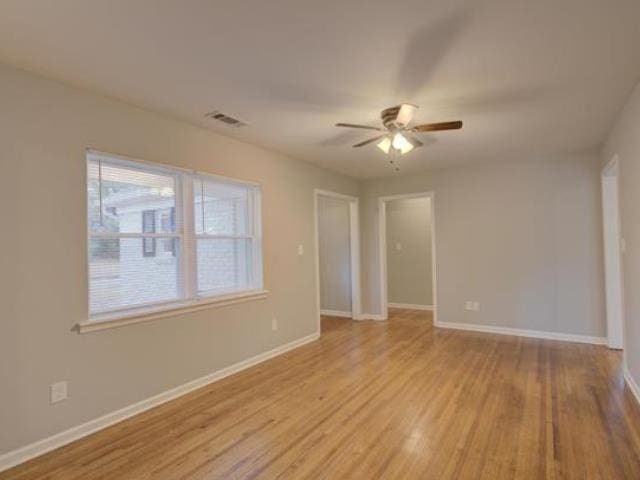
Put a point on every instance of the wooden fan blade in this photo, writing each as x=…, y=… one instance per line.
x=364, y=127
x=434, y=127
x=367, y=142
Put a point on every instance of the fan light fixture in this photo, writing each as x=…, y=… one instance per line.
x=399, y=144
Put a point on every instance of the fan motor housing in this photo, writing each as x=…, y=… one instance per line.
x=389, y=117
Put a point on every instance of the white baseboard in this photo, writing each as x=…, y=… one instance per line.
x=633, y=386
x=565, y=337
x=371, y=316
x=362, y=316
x=411, y=306
x=336, y=313
x=41, y=447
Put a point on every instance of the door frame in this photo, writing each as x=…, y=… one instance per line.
x=382, y=253
x=354, y=243
x=613, y=250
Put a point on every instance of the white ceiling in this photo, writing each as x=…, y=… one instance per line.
x=526, y=76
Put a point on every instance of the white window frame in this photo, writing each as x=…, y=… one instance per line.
x=189, y=297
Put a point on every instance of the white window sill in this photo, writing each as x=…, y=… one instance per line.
x=113, y=320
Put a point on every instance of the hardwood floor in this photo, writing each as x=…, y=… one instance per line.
x=376, y=400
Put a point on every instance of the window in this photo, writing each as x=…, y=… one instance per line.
x=225, y=236
x=161, y=237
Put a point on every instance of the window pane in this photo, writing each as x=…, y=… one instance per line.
x=118, y=195
x=224, y=265
x=221, y=208
x=122, y=275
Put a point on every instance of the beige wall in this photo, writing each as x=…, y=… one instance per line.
x=624, y=140
x=409, y=270
x=522, y=237
x=44, y=129
x=334, y=254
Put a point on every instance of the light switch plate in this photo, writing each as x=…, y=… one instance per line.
x=59, y=392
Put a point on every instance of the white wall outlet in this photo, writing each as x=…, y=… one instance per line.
x=399, y=247
x=58, y=392
x=274, y=324
x=472, y=306
x=300, y=250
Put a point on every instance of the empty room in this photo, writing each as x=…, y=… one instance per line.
x=320, y=240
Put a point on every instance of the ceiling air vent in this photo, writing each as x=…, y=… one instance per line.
x=226, y=119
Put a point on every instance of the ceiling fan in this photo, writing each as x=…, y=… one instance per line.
x=396, y=139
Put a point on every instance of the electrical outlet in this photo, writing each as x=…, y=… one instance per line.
x=274, y=324
x=300, y=250
x=58, y=392
x=472, y=306
x=399, y=247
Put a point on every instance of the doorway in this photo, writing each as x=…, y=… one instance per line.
x=337, y=255
x=613, y=246
x=407, y=253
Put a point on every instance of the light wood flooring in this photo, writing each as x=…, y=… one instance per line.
x=383, y=400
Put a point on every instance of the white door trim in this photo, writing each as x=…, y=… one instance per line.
x=354, y=239
x=382, y=253
x=614, y=286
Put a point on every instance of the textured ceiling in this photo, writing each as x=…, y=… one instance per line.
x=527, y=77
